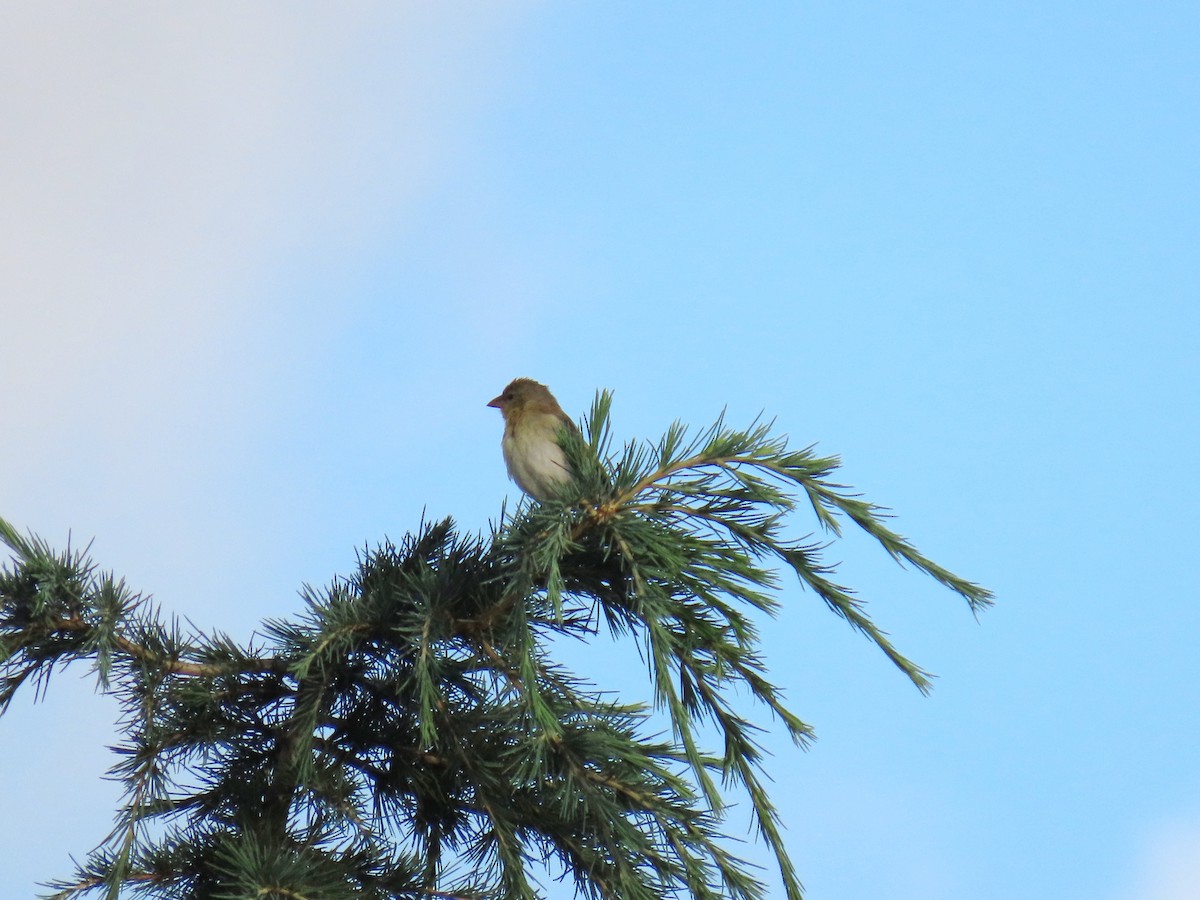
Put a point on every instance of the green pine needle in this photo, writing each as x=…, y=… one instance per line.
x=410, y=734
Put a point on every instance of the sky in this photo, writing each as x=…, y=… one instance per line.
x=262, y=266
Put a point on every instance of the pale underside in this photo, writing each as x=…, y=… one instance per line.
x=535, y=460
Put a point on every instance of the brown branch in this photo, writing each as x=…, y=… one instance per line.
x=348, y=758
x=88, y=883
x=596, y=515
x=168, y=665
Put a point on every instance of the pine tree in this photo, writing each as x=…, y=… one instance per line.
x=410, y=734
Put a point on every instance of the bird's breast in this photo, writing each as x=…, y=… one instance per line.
x=534, y=459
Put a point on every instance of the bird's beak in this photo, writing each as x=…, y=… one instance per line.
x=498, y=403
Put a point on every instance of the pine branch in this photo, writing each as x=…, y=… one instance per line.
x=409, y=734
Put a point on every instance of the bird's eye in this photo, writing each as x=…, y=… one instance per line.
x=508, y=396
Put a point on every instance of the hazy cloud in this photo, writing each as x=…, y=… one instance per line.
x=1169, y=863
x=155, y=161
x=160, y=166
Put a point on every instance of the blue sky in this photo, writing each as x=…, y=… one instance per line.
x=262, y=267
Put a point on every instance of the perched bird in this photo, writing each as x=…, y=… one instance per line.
x=532, y=422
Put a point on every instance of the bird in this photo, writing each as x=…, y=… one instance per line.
x=533, y=421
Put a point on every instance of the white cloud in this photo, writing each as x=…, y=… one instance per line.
x=159, y=165
x=155, y=158
x=1169, y=863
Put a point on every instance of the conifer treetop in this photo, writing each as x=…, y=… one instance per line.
x=409, y=733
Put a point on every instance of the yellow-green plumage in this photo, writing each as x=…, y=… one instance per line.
x=532, y=421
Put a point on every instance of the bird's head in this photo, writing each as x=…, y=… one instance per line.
x=522, y=394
